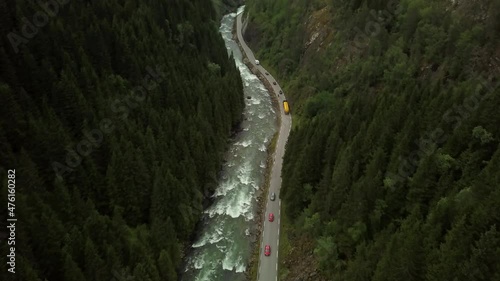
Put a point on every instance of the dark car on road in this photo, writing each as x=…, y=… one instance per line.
x=274, y=83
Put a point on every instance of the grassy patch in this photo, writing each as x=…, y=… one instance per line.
x=255, y=265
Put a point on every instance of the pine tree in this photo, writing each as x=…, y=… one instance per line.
x=166, y=267
x=71, y=269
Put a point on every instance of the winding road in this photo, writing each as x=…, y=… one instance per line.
x=268, y=265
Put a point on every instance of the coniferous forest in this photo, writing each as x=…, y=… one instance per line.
x=392, y=168
x=115, y=116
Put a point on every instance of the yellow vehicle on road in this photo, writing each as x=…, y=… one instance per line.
x=286, y=107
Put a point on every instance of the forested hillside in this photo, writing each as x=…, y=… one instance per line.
x=115, y=116
x=392, y=167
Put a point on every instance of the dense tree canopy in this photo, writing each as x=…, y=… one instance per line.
x=392, y=165
x=115, y=118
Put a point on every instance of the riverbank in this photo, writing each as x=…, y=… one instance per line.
x=228, y=231
x=253, y=265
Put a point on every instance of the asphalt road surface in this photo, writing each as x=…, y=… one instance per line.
x=268, y=265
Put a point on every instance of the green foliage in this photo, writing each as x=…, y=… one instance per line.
x=124, y=198
x=390, y=164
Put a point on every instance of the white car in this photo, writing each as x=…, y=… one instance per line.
x=257, y=62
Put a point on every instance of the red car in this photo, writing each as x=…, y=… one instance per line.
x=267, y=250
x=271, y=217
